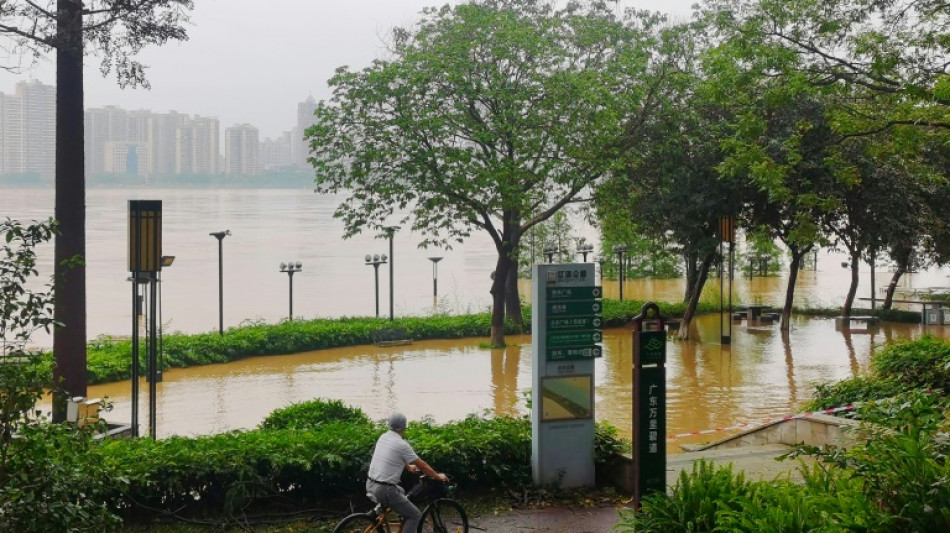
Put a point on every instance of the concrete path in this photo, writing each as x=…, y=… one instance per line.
x=758, y=463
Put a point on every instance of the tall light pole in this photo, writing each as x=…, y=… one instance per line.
x=620, y=250
x=600, y=261
x=584, y=248
x=375, y=261
x=390, y=232
x=291, y=268
x=435, y=279
x=220, y=235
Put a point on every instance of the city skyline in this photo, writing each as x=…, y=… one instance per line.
x=141, y=142
x=246, y=65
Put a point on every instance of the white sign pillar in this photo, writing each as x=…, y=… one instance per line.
x=565, y=325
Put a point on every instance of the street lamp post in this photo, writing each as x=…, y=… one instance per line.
x=620, y=250
x=291, y=268
x=584, y=248
x=435, y=279
x=390, y=232
x=220, y=235
x=600, y=261
x=549, y=251
x=375, y=261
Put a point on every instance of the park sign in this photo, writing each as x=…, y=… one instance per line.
x=565, y=324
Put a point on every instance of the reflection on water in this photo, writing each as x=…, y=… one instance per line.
x=763, y=374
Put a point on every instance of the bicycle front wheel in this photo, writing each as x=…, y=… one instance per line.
x=357, y=523
x=444, y=516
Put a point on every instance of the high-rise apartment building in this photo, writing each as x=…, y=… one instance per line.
x=276, y=153
x=103, y=126
x=28, y=130
x=197, y=146
x=241, y=150
x=305, y=119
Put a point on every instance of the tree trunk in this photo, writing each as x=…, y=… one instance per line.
x=512, y=295
x=499, y=292
x=903, y=255
x=690, y=259
x=892, y=286
x=853, y=290
x=701, y=275
x=69, y=340
x=797, y=256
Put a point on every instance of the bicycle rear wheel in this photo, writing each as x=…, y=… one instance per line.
x=357, y=523
x=444, y=516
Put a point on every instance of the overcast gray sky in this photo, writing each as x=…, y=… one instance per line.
x=252, y=61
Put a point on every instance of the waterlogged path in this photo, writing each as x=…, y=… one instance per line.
x=762, y=375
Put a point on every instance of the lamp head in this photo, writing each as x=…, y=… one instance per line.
x=283, y=266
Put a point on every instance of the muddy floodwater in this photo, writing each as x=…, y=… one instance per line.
x=762, y=375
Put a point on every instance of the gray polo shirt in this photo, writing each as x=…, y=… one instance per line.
x=390, y=457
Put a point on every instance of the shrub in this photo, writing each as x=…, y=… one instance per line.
x=312, y=414
x=698, y=497
x=921, y=363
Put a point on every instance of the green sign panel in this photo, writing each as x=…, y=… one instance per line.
x=574, y=353
x=588, y=307
x=652, y=346
x=574, y=293
x=651, y=429
x=574, y=323
x=574, y=338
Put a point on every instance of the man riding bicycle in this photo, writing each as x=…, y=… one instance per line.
x=391, y=455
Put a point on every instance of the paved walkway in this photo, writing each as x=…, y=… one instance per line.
x=758, y=463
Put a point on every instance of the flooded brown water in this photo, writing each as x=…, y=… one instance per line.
x=762, y=375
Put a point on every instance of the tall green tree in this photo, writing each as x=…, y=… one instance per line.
x=488, y=116
x=116, y=30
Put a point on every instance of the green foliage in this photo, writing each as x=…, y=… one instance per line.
x=243, y=471
x=108, y=359
x=899, y=367
x=58, y=480
x=921, y=363
x=312, y=414
x=51, y=478
x=853, y=390
x=698, y=497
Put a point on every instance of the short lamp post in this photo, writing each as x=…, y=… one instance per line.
x=435, y=279
x=375, y=261
x=620, y=250
x=291, y=268
x=584, y=248
x=549, y=251
x=220, y=235
x=601, y=261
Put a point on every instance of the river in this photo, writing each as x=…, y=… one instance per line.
x=762, y=375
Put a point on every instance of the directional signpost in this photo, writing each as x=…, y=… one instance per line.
x=566, y=324
x=649, y=403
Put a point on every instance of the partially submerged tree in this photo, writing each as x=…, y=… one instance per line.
x=115, y=30
x=490, y=116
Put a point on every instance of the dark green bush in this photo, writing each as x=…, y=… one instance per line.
x=698, y=497
x=921, y=363
x=247, y=470
x=850, y=391
x=312, y=414
x=899, y=367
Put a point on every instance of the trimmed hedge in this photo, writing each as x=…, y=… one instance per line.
x=108, y=359
x=243, y=470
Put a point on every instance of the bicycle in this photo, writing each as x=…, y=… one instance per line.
x=441, y=515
